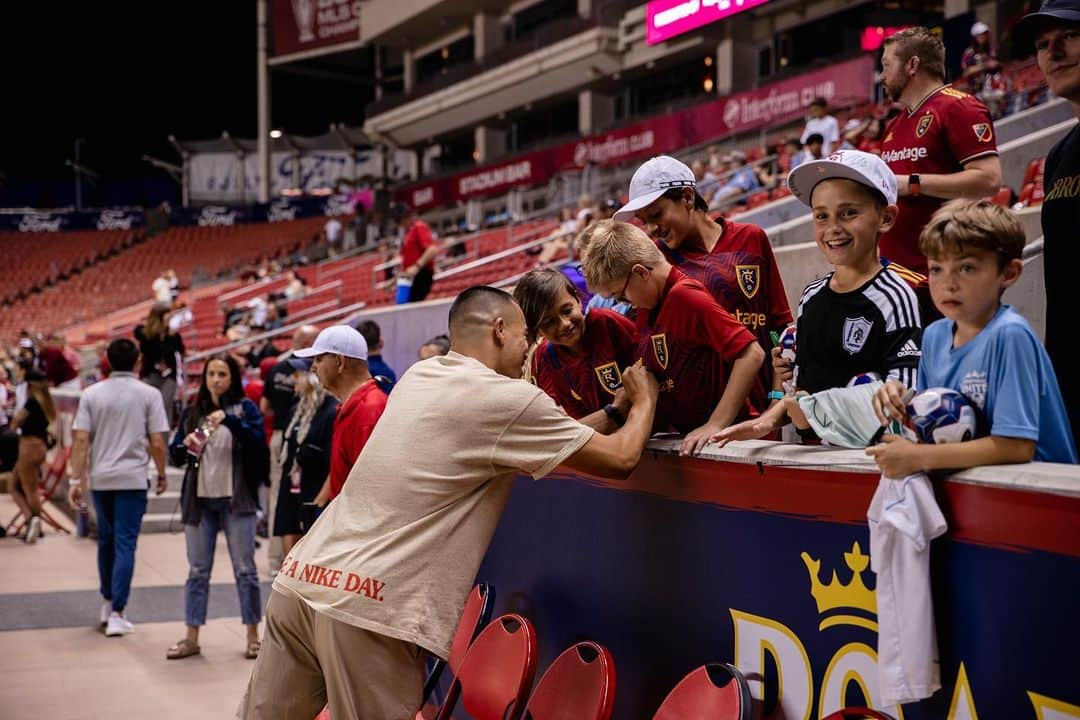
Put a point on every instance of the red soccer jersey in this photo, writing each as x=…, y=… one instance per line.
x=583, y=383
x=353, y=424
x=946, y=130
x=689, y=342
x=417, y=240
x=741, y=274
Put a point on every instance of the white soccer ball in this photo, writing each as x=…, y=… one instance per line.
x=941, y=415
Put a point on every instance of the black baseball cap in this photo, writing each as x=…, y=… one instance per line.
x=1052, y=13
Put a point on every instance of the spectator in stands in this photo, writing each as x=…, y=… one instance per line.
x=734, y=261
x=438, y=345
x=820, y=122
x=982, y=71
x=222, y=446
x=341, y=354
x=813, y=148
x=871, y=136
x=384, y=375
x=257, y=306
x=59, y=363
x=181, y=317
x=942, y=147
x=34, y=421
x=418, y=251
x=162, y=288
x=792, y=155
x=1055, y=33
x=304, y=458
x=742, y=180
x=580, y=358
x=274, y=318
x=861, y=317
x=297, y=286
x=705, y=360
x=419, y=523
x=707, y=183
x=333, y=234
x=981, y=348
x=162, y=352
x=119, y=428
x=717, y=162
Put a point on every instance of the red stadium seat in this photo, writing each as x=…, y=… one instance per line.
x=1003, y=197
x=716, y=690
x=497, y=671
x=781, y=191
x=474, y=617
x=579, y=685
x=1034, y=170
x=757, y=199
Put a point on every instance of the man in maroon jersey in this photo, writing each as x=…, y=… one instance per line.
x=705, y=360
x=941, y=146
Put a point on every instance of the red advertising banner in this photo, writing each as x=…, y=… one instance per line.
x=300, y=25
x=784, y=101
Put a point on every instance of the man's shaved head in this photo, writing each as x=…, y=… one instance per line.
x=304, y=336
x=476, y=308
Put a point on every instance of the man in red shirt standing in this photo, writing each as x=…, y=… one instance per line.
x=340, y=360
x=418, y=251
x=941, y=146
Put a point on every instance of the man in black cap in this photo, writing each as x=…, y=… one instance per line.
x=1055, y=33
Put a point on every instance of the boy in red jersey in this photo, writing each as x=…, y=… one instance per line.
x=734, y=261
x=705, y=360
x=580, y=359
x=941, y=145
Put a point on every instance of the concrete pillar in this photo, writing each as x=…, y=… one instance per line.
x=263, y=120
x=487, y=34
x=408, y=70
x=596, y=112
x=956, y=7
x=490, y=143
x=724, y=64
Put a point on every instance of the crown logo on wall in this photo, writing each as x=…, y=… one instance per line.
x=836, y=596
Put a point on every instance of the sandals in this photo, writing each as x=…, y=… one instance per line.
x=253, y=648
x=182, y=649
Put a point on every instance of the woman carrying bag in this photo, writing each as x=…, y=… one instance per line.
x=222, y=444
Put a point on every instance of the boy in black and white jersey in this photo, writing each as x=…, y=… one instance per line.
x=862, y=317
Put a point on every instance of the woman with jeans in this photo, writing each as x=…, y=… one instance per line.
x=222, y=443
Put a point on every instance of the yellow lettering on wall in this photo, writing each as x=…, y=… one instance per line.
x=1050, y=709
x=962, y=706
x=853, y=663
x=754, y=637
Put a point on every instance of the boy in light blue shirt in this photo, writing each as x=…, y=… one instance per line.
x=981, y=348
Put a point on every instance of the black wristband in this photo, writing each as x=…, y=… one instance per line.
x=613, y=412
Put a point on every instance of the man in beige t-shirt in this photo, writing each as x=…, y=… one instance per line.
x=383, y=575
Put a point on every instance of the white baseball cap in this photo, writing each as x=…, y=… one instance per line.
x=654, y=178
x=862, y=167
x=337, y=340
x=979, y=28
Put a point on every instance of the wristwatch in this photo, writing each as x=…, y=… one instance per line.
x=913, y=182
x=613, y=412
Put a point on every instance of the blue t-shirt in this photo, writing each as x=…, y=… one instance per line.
x=1005, y=370
x=379, y=369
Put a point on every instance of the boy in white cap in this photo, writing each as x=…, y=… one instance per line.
x=860, y=318
x=340, y=360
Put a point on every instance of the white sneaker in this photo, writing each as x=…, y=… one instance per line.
x=33, y=530
x=118, y=625
x=106, y=611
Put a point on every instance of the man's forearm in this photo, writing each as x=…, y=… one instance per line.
x=157, y=454
x=79, y=452
x=968, y=183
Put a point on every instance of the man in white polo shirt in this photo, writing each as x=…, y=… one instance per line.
x=118, y=421
x=381, y=578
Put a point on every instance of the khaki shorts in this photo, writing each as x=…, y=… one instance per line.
x=308, y=660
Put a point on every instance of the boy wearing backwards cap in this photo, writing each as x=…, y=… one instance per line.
x=860, y=318
x=704, y=359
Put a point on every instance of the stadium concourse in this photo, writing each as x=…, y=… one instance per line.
x=500, y=191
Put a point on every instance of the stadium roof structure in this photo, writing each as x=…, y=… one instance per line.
x=338, y=137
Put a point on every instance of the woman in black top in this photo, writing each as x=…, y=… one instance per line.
x=161, y=351
x=32, y=421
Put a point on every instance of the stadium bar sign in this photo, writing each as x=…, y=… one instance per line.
x=665, y=19
x=300, y=25
x=715, y=120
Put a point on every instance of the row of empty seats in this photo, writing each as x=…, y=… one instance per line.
x=43, y=259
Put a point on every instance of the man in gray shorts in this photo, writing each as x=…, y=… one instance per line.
x=118, y=421
x=382, y=576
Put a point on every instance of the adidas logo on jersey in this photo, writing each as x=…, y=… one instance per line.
x=908, y=153
x=910, y=349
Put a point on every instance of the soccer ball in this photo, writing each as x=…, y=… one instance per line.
x=940, y=415
x=864, y=379
x=787, y=343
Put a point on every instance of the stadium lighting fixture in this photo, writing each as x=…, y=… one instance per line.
x=275, y=134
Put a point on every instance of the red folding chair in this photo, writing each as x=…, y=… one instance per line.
x=474, y=617
x=579, y=685
x=54, y=473
x=497, y=671
x=858, y=713
x=717, y=691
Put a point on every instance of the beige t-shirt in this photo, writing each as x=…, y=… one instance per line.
x=397, y=552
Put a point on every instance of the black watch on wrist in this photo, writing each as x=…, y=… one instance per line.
x=913, y=182
x=613, y=412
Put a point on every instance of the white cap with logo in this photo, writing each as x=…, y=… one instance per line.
x=654, y=178
x=861, y=167
x=337, y=340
